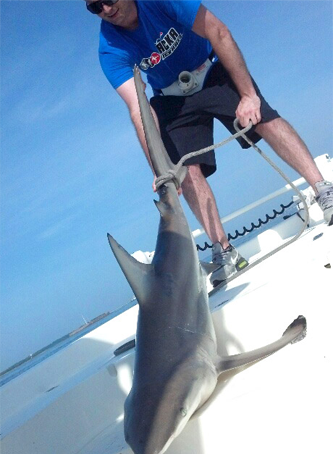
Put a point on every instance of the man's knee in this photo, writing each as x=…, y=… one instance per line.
x=194, y=177
x=268, y=126
x=194, y=173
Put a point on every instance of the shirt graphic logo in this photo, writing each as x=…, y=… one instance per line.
x=155, y=58
x=165, y=46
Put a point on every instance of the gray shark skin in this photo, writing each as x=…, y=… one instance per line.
x=176, y=362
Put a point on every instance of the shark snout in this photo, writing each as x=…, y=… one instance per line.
x=150, y=444
x=153, y=420
x=152, y=438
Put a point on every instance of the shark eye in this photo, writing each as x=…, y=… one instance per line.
x=183, y=412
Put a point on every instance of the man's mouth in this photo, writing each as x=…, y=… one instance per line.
x=113, y=14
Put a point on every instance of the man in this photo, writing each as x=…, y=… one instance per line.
x=165, y=38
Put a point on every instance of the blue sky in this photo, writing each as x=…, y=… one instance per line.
x=72, y=169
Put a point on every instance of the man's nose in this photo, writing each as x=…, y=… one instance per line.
x=106, y=8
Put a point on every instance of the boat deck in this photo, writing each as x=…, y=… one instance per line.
x=72, y=402
x=283, y=403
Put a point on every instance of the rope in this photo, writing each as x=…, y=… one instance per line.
x=292, y=240
x=175, y=175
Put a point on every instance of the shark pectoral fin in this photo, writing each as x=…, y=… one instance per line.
x=295, y=332
x=209, y=267
x=136, y=273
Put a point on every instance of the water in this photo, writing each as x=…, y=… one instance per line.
x=39, y=356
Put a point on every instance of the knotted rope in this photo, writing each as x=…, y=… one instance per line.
x=175, y=173
x=175, y=176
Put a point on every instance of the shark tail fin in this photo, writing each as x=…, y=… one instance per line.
x=295, y=332
x=136, y=273
x=159, y=157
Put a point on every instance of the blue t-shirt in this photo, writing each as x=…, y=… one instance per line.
x=162, y=45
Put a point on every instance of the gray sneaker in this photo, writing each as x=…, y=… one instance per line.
x=230, y=260
x=325, y=199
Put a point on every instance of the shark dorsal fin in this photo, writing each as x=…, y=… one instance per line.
x=136, y=273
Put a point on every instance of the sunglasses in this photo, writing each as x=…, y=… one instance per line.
x=97, y=7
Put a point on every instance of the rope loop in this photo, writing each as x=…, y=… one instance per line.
x=170, y=175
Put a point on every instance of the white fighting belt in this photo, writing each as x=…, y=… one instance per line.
x=188, y=82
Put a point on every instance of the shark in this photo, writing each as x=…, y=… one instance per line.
x=177, y=366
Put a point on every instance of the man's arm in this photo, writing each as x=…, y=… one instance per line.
x=208, y=26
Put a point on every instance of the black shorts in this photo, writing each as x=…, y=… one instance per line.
x=186, y=122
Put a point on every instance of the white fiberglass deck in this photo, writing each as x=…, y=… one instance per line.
x=73, y=401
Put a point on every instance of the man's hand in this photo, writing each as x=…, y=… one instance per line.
x=210, y=27
x=249, y=110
